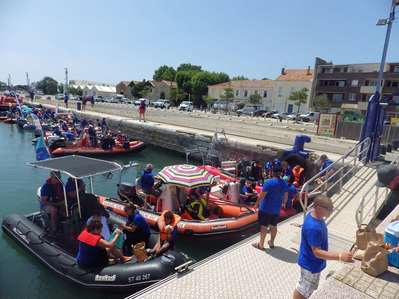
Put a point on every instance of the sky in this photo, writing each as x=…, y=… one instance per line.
x=110, y=41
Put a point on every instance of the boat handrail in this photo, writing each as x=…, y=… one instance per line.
x=355, y=158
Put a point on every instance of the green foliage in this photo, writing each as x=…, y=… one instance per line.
x=140, y=89
x=238, y=78
x=183, y=80
x=48, y=85
x=255, y=98
x=189, y=67
x=321, y=102
x=75, y=91
x=60, y=88
x=228, y=94
x=299, y=97
x=164, y=72
x=3, y=86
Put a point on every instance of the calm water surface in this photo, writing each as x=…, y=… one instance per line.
x=22, y=275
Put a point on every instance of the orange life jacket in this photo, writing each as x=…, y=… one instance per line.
x=89, y=238
x=297, y=172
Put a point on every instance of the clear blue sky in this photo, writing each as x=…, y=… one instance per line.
x=122, y=40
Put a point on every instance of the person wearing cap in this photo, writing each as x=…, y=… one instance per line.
x=324, y=163
x=313, y=252
x=147, y=180
x=52, y=198
x=274, y=195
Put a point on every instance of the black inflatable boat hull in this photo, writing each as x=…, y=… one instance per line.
x=121, y=277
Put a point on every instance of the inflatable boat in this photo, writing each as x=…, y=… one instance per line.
x=28, y=232
x=134, y=146
x=10, y=121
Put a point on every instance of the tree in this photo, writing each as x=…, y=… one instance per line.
x=321, y=102
x=75, y=91
x=140, y=89
x=189, y=67
x=48, y=85
x=238, y=78
x=164, y=72
x=228, y=96
x=299, y=97
x=255, y=98
x=60, y=88
x=3, y=86
x=208, y=100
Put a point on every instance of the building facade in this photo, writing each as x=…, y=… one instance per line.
x=353, y=84
x=291, y=80
x=100, y=90
x=158, y=89
x=243, y=89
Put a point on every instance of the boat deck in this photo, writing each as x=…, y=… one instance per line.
x=242, y=271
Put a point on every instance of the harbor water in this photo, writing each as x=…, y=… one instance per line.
x=21, y=274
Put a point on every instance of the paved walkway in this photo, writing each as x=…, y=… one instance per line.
x=245, y=272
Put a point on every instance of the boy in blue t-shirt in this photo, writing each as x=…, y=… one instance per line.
x=313, y=251
x=274, y=195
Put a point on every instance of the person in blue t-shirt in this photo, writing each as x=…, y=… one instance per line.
x=248, y=193
x=313, y=251
x=325, y=173
x=274, y=195
x=147, y=180
x=292, y=192
x=136, y=228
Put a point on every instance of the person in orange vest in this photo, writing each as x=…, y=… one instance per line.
x=167, y=223
x=298, y=176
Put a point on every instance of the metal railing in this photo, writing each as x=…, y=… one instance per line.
x=372, y=195
x=334, y=175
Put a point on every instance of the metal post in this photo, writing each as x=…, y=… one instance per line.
x=341, y=174
x=77, y=197
x=91, y=185
x=65, y=200
x=375, y=201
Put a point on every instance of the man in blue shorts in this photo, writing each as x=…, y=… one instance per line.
x=313, y=251
x=274, y=195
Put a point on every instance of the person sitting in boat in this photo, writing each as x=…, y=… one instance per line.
x=52, y=198
x=197, y=205
x=286, y=169
x=257, y=172
x=108, y=141
x=92, y=136
x=83, y=123
x=93, y=249
x=248, y=193
x=298, y=176
x=147, y=180
x=64, y=126
x=122, y=139
x=84, y=141
x=136, y=229
x=167, y=223
x=103, y=125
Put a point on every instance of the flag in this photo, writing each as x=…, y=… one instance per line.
x=41, y=150
x=36, y=122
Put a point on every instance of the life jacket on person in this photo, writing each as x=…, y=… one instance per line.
x=298, y=176
x=56, y=191
x=163, y=235
x=89, y=254
x=198, y=208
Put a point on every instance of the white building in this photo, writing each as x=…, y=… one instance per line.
x=291, y=80
x=99, y=90
x=243, y=89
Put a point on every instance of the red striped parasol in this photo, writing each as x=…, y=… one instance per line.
x=186, y=176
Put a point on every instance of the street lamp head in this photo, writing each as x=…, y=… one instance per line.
x=382, y=22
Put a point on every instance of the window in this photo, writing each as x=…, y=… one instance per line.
x=337, y=97
x=395, y=99
x=395, y=84
x=337, y=70
x=352, y=97
x=341, y=83
x=245, y=93
x=265, y=93
x=355, y=83
x=370, y=83
x=327, y=70
x=237, y=93
x=396, y=69
x=280, y=91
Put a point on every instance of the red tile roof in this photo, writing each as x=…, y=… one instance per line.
x=296, y=75
x=245, y=84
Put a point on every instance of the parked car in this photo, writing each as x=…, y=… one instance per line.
x=59, y=96
x=137, y=102
x=269, y=114
x=292, y=116
x=186, y=106
x=223, y=105
x=309, y=117
x=282, y=115
x=161, y=103
x=251, y=111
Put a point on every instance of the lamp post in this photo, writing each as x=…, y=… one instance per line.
x=374, y=122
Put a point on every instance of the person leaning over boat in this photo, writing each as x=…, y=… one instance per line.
x=167, y=223
x=136, y=229
x=198, y=205
x=93, y=250
x=274, y=195
x=52, y=198
x=313, y=251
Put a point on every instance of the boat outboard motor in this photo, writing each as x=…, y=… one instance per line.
x=233, y=192
x=127, y=192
